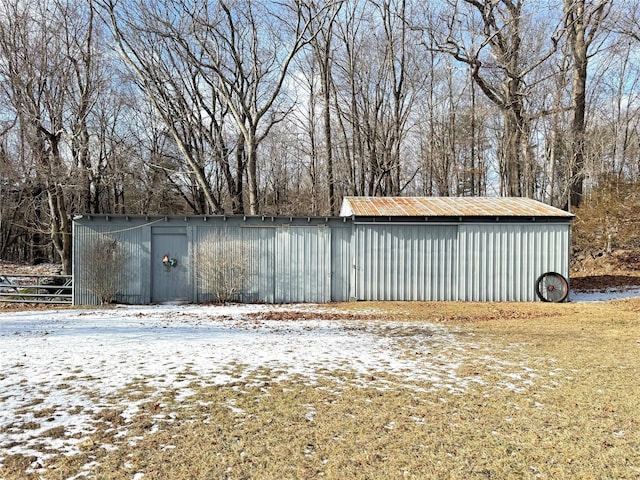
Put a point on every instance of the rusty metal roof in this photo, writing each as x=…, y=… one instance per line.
x=447, y=207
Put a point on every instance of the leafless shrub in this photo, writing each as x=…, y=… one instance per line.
x=102, y=276
x=222, y=266
x=608, y=219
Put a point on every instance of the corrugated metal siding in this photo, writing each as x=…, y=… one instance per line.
x=287, y=263
x=405, y=262
x=251, y=247
x=341, y=261
x=215, y=248
x=303, y=264
x=134, y=241
x=502, y=262
x=316, y=260
x=262, y=243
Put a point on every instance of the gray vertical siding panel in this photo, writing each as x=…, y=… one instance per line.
x=135, y=284
x=301, y=260
x=134, y=243
x=303, y=264
x=289, y=263
x=250, y=245
x=405, y=262
x=81, y=293
x=261, y=287
x=341, y=262
x=217, y=245
x=481, y=277
x=502, y=262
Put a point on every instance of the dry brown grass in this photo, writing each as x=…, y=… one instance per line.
x=571, y=413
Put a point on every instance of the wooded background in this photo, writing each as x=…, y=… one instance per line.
x=284, y=107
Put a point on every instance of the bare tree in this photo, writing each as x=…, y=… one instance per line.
x=625, y=130
x=583, y=20
x=322, y=46
x=555, y=178
x=152, y=45
x=396, y=62
x=500, y=62
x=309, y=121
x=202, y=64
x=374, y=95
x=250, y=49
x=49, y=79
x=12, y=192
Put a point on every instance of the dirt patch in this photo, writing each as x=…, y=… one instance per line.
x=619, y=261
x=19, y=307
x=24, y=269
x=604, y=282
x=617, y=270
x=311, y=315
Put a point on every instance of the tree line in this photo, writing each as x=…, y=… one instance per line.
x=284, y=107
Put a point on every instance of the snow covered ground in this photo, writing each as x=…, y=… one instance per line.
x=58, y=369
x=604, y=295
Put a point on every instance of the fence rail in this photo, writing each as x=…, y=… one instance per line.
x=26, y=288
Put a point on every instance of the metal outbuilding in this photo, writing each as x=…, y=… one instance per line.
x=401, y=248
x=452, y=248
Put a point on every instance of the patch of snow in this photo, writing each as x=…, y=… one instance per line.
x=311, y=413
x=604, y=295
x=60, y=369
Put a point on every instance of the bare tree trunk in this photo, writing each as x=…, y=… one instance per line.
x=322, y=49
x=252, y=174
x=578, y=18
x=60, y=226
x=48, y=143
x=472, y=156
x=578, y=133
x=328, y=136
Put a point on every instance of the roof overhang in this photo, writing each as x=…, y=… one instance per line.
x=452, y=209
